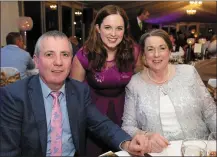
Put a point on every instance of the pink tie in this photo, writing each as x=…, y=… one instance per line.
x=56, y=126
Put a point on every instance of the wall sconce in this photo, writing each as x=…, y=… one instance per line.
x=53, y=6
x=78, y=13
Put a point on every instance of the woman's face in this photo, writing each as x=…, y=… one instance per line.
x=156, y=53
x=111, y=30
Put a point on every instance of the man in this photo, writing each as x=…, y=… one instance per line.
x=51, y=114
x=207, y=68
x=14, y=55
x=138, y=25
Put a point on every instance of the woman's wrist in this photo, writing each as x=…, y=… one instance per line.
x=142, y=132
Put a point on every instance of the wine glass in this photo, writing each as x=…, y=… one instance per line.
x=193, y=147
x=211, y=145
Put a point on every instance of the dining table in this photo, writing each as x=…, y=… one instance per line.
x=174, y=149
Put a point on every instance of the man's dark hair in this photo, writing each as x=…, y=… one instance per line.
x=12, y=37
x=141, y=11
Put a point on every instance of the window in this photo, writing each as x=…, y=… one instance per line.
x=78, y=25
x=51, y=16
x=67, y=20
x=34, y=34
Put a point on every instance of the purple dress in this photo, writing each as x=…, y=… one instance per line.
x=107, y=89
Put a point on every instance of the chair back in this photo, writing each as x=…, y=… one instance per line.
x=9, y=75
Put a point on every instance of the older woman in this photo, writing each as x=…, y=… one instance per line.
x=166, y=102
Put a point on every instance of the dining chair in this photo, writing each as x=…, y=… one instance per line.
x=9, y=75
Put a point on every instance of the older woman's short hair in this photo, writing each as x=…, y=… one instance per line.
x=156, y=32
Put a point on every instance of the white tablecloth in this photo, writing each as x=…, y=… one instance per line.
x=174, y=149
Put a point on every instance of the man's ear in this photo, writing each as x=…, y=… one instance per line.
x=17, y=42
x=97, y=28
x=35, y=58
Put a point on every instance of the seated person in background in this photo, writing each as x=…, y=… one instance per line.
x=208, y=39
x=176, y=48
x=182, y=40
x=212, y=44
x=49, y=114
x=167, y=102
x=207, y=68
x=75, y=44
x=14, y=55
x=177, y=52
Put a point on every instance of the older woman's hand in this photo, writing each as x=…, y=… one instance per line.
x=158, y=142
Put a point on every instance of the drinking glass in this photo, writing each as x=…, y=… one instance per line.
x=193, y=147
x=211, y=145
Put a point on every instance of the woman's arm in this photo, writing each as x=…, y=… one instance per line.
x=130, y=124
x=77, y=70
x=208, y=107
x=138, y=59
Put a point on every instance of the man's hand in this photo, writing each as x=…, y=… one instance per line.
x=139, y=145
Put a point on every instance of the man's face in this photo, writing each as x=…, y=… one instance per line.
x=20, y=43
x=145, y=15
x=54, y=60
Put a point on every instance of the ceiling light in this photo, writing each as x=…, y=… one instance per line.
x=191, y=11
x=195, y=2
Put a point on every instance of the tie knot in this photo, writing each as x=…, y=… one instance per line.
x=55, y=94
x=140, y=24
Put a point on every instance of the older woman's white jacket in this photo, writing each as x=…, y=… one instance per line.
x=194, y=107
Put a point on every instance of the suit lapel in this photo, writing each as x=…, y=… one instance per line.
x=72, y=103
x=37, y=102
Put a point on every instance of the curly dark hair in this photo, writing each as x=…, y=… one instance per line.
x=94, y=46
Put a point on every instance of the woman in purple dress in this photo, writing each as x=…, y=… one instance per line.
x=106, y=63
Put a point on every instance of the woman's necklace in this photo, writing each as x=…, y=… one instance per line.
x=168, y=75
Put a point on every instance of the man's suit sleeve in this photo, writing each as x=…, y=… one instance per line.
x=132, y=28
x=110, y=133
x=10, y=124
